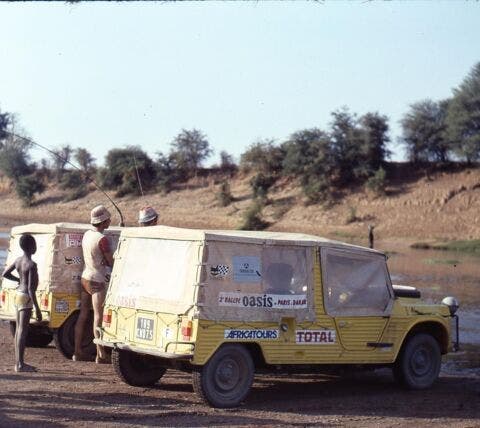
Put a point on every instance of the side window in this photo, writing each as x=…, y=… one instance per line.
x=355, y=284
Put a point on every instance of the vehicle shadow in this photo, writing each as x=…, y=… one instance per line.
x=365, y=394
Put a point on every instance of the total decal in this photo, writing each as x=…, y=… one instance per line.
x=265, y=334
x=273, y=301
x=315, y=337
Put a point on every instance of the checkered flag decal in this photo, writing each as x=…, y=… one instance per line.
x=219, y=271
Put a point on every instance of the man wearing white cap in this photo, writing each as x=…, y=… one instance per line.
x=147, y=216
x=98, y=263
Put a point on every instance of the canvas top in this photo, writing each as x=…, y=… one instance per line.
x=240, y=236
x=56, y=228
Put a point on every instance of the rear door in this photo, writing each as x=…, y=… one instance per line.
x=358, y=295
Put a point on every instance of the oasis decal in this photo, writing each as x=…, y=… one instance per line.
x=73, y=239
x=274, y=301
x=267, y=334
x=315, y=337
x=246, y=269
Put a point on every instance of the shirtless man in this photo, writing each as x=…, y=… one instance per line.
x=95, y=276
x=25, y=297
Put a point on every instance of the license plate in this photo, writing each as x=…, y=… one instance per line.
x=144, y=328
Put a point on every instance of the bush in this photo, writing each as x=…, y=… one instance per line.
x=352, y=215
x=316, y=189
x=124, y=167
x=377, y=182
x=26, y=188
x=71, y=180
x=261, y=184
x=14, y=159
x=263, y=157
x=224, y=196
x=253, y=219
x=75, y=194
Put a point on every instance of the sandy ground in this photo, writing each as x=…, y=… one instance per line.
x=64, y=393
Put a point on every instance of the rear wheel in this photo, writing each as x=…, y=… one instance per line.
x=37, y=337
x=418, y=365
x=227, y=377
x=64, y=336
x=137, y=369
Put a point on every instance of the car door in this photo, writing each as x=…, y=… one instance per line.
x=357, y=295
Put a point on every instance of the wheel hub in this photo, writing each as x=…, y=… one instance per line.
x=227, y=374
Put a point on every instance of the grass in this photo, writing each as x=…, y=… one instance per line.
x=441, y=262
x=471, y=246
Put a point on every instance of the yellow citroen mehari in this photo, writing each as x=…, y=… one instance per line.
x=60, y=263
x=226, y=304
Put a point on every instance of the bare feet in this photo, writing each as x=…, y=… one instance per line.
x=24, y=368
x=100, y=360
x=82, y=357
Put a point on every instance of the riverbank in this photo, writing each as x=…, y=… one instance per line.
x=441, y=207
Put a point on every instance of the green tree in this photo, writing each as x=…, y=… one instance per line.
x=15, y=159
x=5, y=121
x=374, y=128
x=463, y=117
x=166, y=172
x=309, y=156
x=263, y=156
x=189, y=149
x=85, y=160
x=425, y=131
x=346, y=146
x=60, y=159
x=227, y=164
x=128, y=171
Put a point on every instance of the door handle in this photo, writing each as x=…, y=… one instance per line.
x=343, y=324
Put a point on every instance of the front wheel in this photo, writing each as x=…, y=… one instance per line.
x=137, y=369
x=418, y=365
x=226, y=378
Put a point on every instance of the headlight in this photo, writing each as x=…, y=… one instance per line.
x=452, y=304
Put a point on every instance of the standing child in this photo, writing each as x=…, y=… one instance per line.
x=25, y=297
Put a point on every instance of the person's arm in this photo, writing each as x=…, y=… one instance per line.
x=104, y=245
x=7, y=273
x=32, y=290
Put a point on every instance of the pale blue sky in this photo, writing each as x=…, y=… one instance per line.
x=104, y=75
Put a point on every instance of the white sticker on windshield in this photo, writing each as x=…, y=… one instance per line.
x=274, y=301
x=247, y=269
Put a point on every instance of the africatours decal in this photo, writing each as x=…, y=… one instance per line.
x=273, y=301
x=315, y=337
x=266, y=334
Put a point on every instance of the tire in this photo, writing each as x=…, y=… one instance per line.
x=64, y=336
x=136, y=369
x=418, y=365
x=37, y=337
x=227, y=377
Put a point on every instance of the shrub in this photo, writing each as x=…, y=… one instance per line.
x=75, y=194
x=27, y=186
x=377, y=182
x=352, y=215
x=263, y=157
x=261, y=184
x=252, y=217
x=224, y=196
x=316, y=189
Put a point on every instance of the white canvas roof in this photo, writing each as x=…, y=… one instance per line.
x=55, y=228
x=239, y=236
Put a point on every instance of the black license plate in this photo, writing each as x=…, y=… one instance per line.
x=144, y=328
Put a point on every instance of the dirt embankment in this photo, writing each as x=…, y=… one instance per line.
x=63, y=393
x=442, y=205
